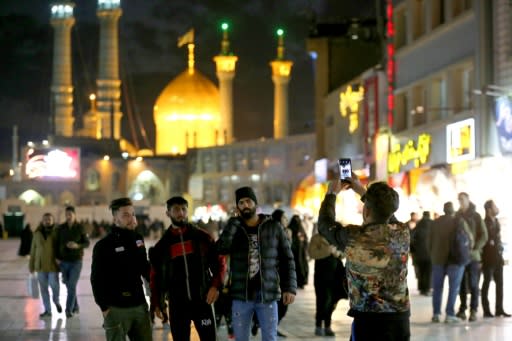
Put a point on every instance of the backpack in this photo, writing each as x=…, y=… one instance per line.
x=460, y=245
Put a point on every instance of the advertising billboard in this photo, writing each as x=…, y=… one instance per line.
x=53, y=163
x=504, y=123
x=460, y=137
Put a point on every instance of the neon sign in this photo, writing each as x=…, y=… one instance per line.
x=349, y=105
x=460, y=138
x=390, y=63
x=415, y=151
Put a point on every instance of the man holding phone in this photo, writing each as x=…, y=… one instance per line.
x=377, y=257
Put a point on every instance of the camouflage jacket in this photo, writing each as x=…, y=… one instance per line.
x=377, y=258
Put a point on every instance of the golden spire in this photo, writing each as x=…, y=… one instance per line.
x=188, y=38
x=280, y=44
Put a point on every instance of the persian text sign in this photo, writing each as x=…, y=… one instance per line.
x=415, y=151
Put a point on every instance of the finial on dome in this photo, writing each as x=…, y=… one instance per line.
x=188, y=38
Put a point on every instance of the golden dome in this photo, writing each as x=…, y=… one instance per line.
x=186, y=114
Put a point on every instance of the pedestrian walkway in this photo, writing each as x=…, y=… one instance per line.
x=19, y=315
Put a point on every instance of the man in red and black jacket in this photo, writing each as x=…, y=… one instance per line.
x=187, y=271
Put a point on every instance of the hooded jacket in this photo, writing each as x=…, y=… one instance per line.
x=478, y=230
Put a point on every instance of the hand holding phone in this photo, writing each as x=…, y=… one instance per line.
x=345, y=166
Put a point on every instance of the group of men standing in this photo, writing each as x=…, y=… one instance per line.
x=186, y=269
x=433, y=248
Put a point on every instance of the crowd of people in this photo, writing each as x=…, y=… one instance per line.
x=249, y=270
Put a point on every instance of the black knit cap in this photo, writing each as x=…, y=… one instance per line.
x=245, y=192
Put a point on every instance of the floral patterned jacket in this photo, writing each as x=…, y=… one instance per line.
x=377, y=258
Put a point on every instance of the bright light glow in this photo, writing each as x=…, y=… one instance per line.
x=106, y=157
x=349, y=104
x=31, y=197
x=125, y=155
x=213, y=212
x=224, y=26
x=138, y=159
x=45, y=143
x=109, y=4
x=92, y=97
x=313, y=55
x=62, y=11
x=460, y=141
x=189, y=117
x=280, y=32
x=415, y=151
x=30, y=144
x=146, y=175
x=235, y=178
x=30, y=151
x=255, y=177
x=138, y=196
x=54, y=163
x=11, y=172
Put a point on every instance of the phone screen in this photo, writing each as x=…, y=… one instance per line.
x=345, y=168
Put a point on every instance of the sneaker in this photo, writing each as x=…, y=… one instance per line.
x=452, y=319
x=279, y=334
x=472, y=316
x=59, y=308
x=45, y=314
x=328, y=332
x=436, y=318
x=461, y=315
x=319, y=331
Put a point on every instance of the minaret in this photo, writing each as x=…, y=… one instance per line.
x=62, y=89
x=281, y=69
x=108, y=98
x=226, y=64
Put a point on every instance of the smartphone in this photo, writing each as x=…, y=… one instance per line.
x=345, y=169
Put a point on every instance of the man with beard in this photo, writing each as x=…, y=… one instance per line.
x=119, y=261
x=187, y=271
x=261, y=267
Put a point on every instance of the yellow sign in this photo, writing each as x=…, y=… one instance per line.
x=349, y=104
x=417, y=152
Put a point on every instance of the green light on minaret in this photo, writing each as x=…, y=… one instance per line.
x=224, y=26
x=280, y=32
x=225, y=39
x=280, y=43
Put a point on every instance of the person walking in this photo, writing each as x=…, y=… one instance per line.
x=439, y=243
x=187, y=271
x=261, y=266
x=299, y=246
x=471, y=278
x=492, y=261
x=42, y=260
x=377, y=255
x=329, y=281
x=119, y=262
x=71, y=240
x=422, y=253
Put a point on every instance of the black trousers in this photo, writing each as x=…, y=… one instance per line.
x=424, y=274
x=182, y=312
x=371, y=329
x=490, y=273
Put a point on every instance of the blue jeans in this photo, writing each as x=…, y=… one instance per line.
x=51, y=279
x=70, y=275
x=470, y=282
x=454, y=273
x=242, y=312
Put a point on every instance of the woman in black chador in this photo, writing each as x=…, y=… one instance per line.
x=299, y=249
x=26, y=241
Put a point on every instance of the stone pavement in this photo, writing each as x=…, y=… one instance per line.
x=19, y=315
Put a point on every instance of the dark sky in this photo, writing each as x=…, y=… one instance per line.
x=149, y=58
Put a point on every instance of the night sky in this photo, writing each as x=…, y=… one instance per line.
x=149, y=58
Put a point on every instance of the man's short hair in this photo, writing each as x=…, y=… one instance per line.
x=463, y=194
x=47, y=214
x=382, y=200
x=488, y=204
x=176, y=201
x=116, y=204
x=448, y=208
x=70, y=209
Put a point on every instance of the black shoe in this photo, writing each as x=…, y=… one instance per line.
x=59, y=308
x=254, y=329
x=69, y=314
x=502, y=313
x=328, y=332
x=461, y=315
x=488, y=314
x=280, y=334
x=45, y=314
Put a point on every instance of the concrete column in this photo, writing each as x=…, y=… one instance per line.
x=62, y=21
x=108, y=82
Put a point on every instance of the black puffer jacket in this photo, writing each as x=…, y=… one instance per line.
x=277, y=267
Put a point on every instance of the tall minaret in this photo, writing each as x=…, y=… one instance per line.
x=62, y=89
x=281, y=69
x=226, y=64
x=108, y=83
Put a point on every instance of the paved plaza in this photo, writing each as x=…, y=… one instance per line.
x=19, y=315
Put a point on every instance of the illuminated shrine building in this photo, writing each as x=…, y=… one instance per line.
x=187, y=112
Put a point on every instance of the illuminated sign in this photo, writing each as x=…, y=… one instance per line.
x=460, y=141
x=321, y=169
x=415, y=151
x=349, y=105
x=53, y=163
x=390, y=60
x=504, y=124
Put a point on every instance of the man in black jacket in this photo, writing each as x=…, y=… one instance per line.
x=261, y=267
x=187, y=271
x=118, y=262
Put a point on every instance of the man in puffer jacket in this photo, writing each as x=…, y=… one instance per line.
x=262, y=267
x=377, y=256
